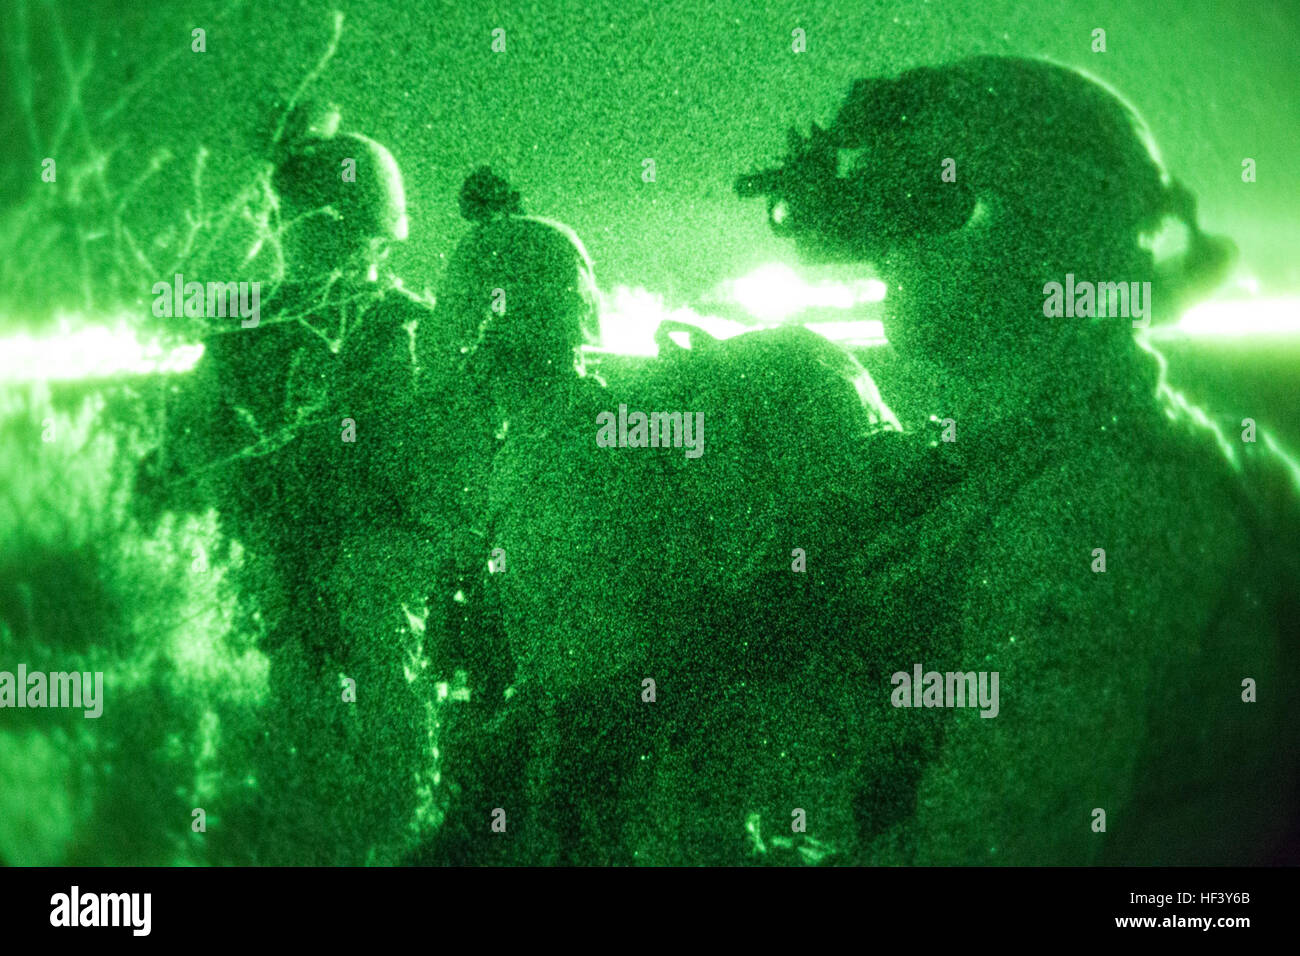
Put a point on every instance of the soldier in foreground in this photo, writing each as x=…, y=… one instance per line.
x=1131, y=582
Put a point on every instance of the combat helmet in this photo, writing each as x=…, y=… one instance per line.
x=519, y=286
x=347, y=178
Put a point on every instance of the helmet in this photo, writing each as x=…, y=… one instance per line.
x=522, y=286
x=310, y=176
x=1049, y=139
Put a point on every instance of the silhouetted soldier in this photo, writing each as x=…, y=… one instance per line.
x=321, y=444
x=971, y=188
x=635, y=575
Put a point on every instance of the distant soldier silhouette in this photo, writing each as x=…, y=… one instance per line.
x=325, y=437
x=624, y=564
x=1121, y=687
x=522, y=288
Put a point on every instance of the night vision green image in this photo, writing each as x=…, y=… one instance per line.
x=649, y=434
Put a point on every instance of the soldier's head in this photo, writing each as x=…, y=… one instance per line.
x=969, y=187
x=521, y=290
x=342, y=200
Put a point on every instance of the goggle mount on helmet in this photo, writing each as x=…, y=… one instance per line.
x=885, y=194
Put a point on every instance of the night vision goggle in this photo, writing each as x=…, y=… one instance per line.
x=841, y=203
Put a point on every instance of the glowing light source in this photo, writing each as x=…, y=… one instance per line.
x=80, y=349
x=775, y=292
x=1239, y=318
x=630, y=316
x=770, y=292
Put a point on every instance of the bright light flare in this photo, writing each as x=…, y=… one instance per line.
x=78, y=349
x=1238, y=319
x=630, y=316
x=774, y=292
